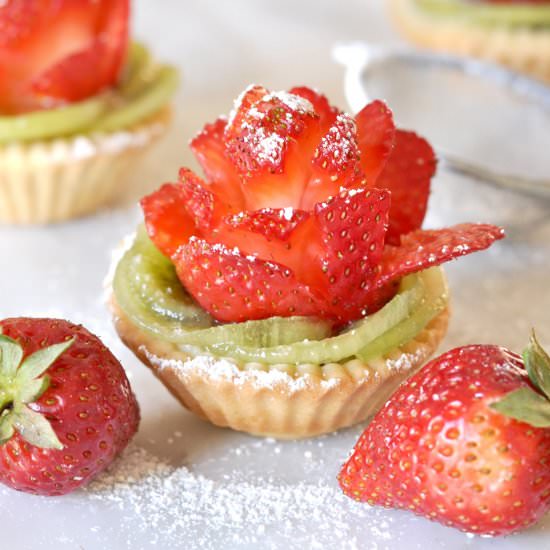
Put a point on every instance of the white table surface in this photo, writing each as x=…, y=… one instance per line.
x=57, y=271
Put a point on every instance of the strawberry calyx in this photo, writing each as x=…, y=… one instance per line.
x=22, y=382
x=530, y=404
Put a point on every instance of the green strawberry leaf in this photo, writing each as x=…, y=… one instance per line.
x=537, y=363
x=11, y=354
x=525, y=405
x=6, y=428
x=39, y=362
x=33, y=389
x=35, y=429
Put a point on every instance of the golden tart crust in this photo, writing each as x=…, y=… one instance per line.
x=522, y=49
x=284, y=401
x=56, y=180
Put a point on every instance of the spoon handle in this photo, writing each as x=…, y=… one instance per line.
x=460, y=166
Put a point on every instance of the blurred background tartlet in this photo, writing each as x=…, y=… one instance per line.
x=79, y=106
x=515, y=33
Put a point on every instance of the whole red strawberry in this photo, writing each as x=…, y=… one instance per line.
x=465, y=442
x=66, y=406
x=53, y=52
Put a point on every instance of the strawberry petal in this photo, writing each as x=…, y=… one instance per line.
x=167, y=221
x=251, y=95
x=269, y=147
x=277, y=235
x=426, y=248
x=327, y=113
x=407, y=175
x=223, y=179
x=353, y=225
x=335, y=163
x=234, y=287
x=199, y=200
x=272, y=223
x=375, y=135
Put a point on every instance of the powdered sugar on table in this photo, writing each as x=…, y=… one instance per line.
x=174, y=504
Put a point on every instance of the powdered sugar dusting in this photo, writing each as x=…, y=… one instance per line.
x=237, y=104
x=338, y=149
x=217, y=369
x=264, y=123
x=292, y=101
x=267, y=147
x=174, y=504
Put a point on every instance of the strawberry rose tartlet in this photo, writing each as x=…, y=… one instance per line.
x=79, y=106
x=292, y=289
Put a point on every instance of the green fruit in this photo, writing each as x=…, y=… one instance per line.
x=488, y=14
x=264, y=333
x=433, y=302
x=144, y=102
x=343, y=346
x=148, y=290
x=52, y=123
x=139, y=61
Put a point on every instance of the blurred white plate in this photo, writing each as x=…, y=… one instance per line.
x=485, y=121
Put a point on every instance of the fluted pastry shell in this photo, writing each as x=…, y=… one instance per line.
x=281, y=401
x=523, y=49
x=59, y=179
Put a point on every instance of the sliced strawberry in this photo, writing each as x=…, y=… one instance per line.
x=327, y=113
x=426, y=248
x=272, y=223
x=269, y=147
x=375, y=136
x=167, y=221
x=223, y=179
x=251, y=95
x=54, y=52
x=335, y=163
x=199, y=201
x=407, y=175
x=352, y=226
x=234, y=287
x=285, y=236
x=67, y=81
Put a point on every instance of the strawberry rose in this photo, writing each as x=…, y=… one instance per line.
x=304, y=210
x=53, y=53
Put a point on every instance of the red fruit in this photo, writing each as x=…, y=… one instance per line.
x=240, y=287
x=352, y=228
x=407, y=174
x=328, y=260
x=223, y=179
x=327, y=113
x=66, y=406
x=271, y=223
x=466, y=442
x=426, y=248
x=167, y=220
x=335, y=163
x=291, y=181
x=268, y=146
x=375, y=136
x=57, y=52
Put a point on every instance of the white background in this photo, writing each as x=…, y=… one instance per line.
x=220, y=48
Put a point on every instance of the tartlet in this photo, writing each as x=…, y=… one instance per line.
x=73, y=129
x=514, y=33
x=285, y=296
